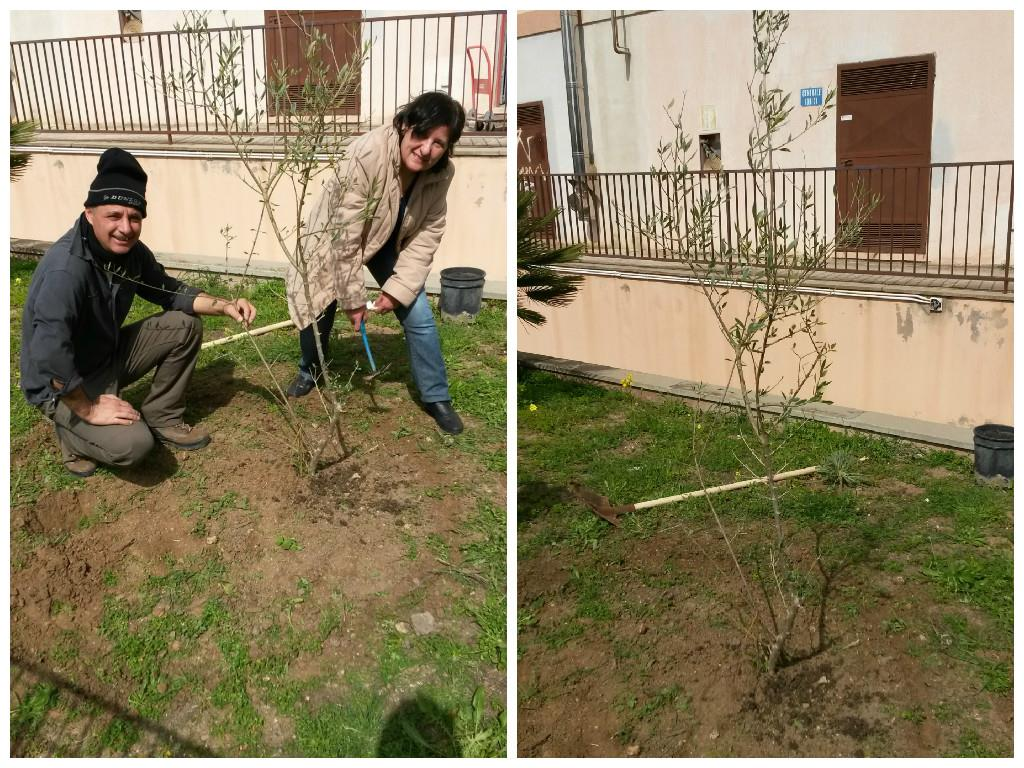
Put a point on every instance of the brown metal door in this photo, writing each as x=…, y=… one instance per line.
x=532, y=156
x=285, y=41
x=884, y=122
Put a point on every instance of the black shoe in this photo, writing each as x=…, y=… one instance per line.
x=301, y=385
x=445, y=416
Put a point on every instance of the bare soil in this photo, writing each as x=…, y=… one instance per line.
x=353, y=523
x=871, y=691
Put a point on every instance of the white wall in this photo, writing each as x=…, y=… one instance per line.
x=706, y=58
x=542, y=78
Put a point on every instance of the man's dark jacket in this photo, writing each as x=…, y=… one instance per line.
x=75, y=308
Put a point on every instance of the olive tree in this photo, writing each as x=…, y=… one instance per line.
x=306, y=147
x=755, y=277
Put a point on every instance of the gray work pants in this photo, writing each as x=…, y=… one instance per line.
x=170, y=343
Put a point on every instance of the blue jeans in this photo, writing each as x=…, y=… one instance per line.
x=421, y=336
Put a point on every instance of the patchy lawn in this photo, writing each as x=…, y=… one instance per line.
x=219, y=603
x=631, y=640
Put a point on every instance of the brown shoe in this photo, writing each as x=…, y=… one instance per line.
x=182, y=436
x=80, y=466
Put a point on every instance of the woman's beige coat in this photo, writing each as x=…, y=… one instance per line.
x=354, y=217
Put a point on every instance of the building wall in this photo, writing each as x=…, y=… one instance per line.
x=704, y=59
x=536, y=22
x=190, y=200
x=545, y=57
x=953, y=367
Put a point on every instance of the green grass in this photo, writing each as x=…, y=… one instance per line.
x=986, y=582
x=151, y=633
x=905, y=515
x=643, y=710
x=970, y=744
x=28, y=713
x=155, y=626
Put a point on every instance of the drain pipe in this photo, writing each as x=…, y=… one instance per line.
x=934, y=303
x=572, y=91
x=581, y=62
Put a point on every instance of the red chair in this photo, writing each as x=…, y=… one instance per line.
x=480, y=85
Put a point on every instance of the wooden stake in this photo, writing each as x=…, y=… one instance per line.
x=256, y=332
x=724, y=488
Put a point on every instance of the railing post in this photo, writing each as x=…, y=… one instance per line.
x=1009, y=233
x=451, y=55
x=163, y=85
x=728, y=215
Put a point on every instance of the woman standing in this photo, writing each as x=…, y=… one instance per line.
x=387, y=213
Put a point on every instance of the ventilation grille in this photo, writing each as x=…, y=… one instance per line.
x=347, y=99
x=884, y=237
x=885, y=78
x=530, y=114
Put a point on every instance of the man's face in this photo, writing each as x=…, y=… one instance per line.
x=117, y=227
x=421, y=153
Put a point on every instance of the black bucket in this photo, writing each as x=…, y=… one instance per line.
x=462, y=292
x=993, y=454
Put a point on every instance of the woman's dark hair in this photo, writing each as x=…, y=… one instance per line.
x=429, y=111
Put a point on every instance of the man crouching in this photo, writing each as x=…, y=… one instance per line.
x=76, y=357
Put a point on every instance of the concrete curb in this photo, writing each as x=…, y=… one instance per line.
x=915, y=430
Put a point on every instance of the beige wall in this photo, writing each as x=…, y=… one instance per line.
x=535, y=22
x=953, y=367
x=191, y=200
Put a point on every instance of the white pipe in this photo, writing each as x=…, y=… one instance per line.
x=934, y=302
x=243, y=334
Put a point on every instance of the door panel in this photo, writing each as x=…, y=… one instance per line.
x=285, y=40
x=532, y=156
x=884, y=126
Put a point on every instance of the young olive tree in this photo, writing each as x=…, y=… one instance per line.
x=306, y=145
x=754, y=272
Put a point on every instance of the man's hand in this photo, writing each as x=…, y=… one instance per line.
x=241, y=311
x=105, y=410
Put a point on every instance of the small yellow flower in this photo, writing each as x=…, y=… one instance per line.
x=700, y=426
x=628, y=381
x=17, y=281
x=533, y=407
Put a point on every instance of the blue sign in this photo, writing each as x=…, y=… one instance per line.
x=810, y=97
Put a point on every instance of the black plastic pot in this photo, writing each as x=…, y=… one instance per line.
x=993, y=453
x=462, y=292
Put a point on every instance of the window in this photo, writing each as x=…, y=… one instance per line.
x=130, y=21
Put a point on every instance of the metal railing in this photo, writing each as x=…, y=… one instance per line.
x=945, y=220
x=118, y=83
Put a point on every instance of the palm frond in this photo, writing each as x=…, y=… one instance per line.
x=22, y=132
x=535, y=280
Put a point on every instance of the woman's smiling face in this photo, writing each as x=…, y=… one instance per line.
x=421, y=153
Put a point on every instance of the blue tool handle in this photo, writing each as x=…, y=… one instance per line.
x=366, y=346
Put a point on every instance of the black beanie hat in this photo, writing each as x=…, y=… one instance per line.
x=119, y=180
